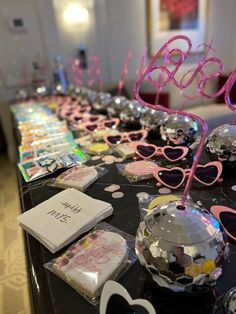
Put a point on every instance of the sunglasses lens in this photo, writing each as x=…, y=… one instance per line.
x=114, y=139
x=171, y=177
x=78, y=118
x=135, y=136
x=91, y=127
x=93, y=119
x=109, y=124
x=173, y=153
x=206, y=174
x=228, y=220
x=145, y=150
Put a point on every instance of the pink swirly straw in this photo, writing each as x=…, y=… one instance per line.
x=181, y=56
x=142, y=63
x=124, y=72
x=75, y=69
x=98, y=72
x=91, y=73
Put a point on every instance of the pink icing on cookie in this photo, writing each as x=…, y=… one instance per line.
x=141, y=168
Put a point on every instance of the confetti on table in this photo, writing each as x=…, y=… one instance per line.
x=233, y=187
x=119, y=159
x=164, y=191
x=117, y=195
x=96, y=157
x=112, y=188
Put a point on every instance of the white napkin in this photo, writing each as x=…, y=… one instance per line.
x=64, y=217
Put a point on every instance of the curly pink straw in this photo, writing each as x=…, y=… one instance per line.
x=181, y=56
x=94, y=71
x=124, y=72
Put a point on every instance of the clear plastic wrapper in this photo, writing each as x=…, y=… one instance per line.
x=45, y=165
x=137, y=170
x=98, y=149
x=42, y=151
x=47, y=142
x=79, y=177
x=148, y=202
x=31, y=139
x=105, y=253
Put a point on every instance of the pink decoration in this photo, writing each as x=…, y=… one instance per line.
x=124, y=72
x=173, y=59
x=74, y=68
x=94, y=71
x=143, y=61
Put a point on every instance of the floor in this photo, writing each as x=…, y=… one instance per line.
x=14, y=296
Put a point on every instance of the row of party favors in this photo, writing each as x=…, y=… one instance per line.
x=46, y=143
x=64, y=217
x=102, y=254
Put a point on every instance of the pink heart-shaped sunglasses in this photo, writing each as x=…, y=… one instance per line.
x=174, y=177
x=171, y=153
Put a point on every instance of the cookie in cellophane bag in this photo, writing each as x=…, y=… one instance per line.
x=137, y=170
x=104, y=254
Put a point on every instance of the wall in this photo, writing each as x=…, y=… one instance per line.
x=72, y=36
x=19, y=49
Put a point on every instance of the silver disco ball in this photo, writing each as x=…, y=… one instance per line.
x=91, y=96
x=101, y=101
x=151, y=119
x=181, y=247
x=221, y=143
x=116, y=105
x=132, y=112
x=179, y=130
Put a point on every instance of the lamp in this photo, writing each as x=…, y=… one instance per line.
x=75, y=13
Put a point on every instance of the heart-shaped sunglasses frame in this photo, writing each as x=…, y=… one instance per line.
x=158, y=151
x=185, y=173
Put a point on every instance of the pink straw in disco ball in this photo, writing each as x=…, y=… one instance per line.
x=74, y=68
x=124, y=72
x=142, y=63
x=91, y=74
x=94, y=72
x=174, y=58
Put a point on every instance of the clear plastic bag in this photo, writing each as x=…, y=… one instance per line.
x=45, y=165
x=148, y=202
x=137, y=170
x=105, y=253
x=79, y=177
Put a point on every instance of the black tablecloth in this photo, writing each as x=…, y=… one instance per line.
x=51, y=295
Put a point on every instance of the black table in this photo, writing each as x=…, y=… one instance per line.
x=51, y=295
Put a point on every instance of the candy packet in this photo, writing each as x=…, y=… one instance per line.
x=34, y=153
x=79, y=177
x=45, y=165
x=47, y=142
x=105, y=253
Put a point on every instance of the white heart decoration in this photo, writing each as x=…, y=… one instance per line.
x=113, y=287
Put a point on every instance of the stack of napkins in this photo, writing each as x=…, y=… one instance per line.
x=64, y=217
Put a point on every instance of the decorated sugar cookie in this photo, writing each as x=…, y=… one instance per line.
x=88, y=264
x=79, y=177
x=139, y=170
x=126, y=150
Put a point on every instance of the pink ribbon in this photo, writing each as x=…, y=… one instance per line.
x=174, y=58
